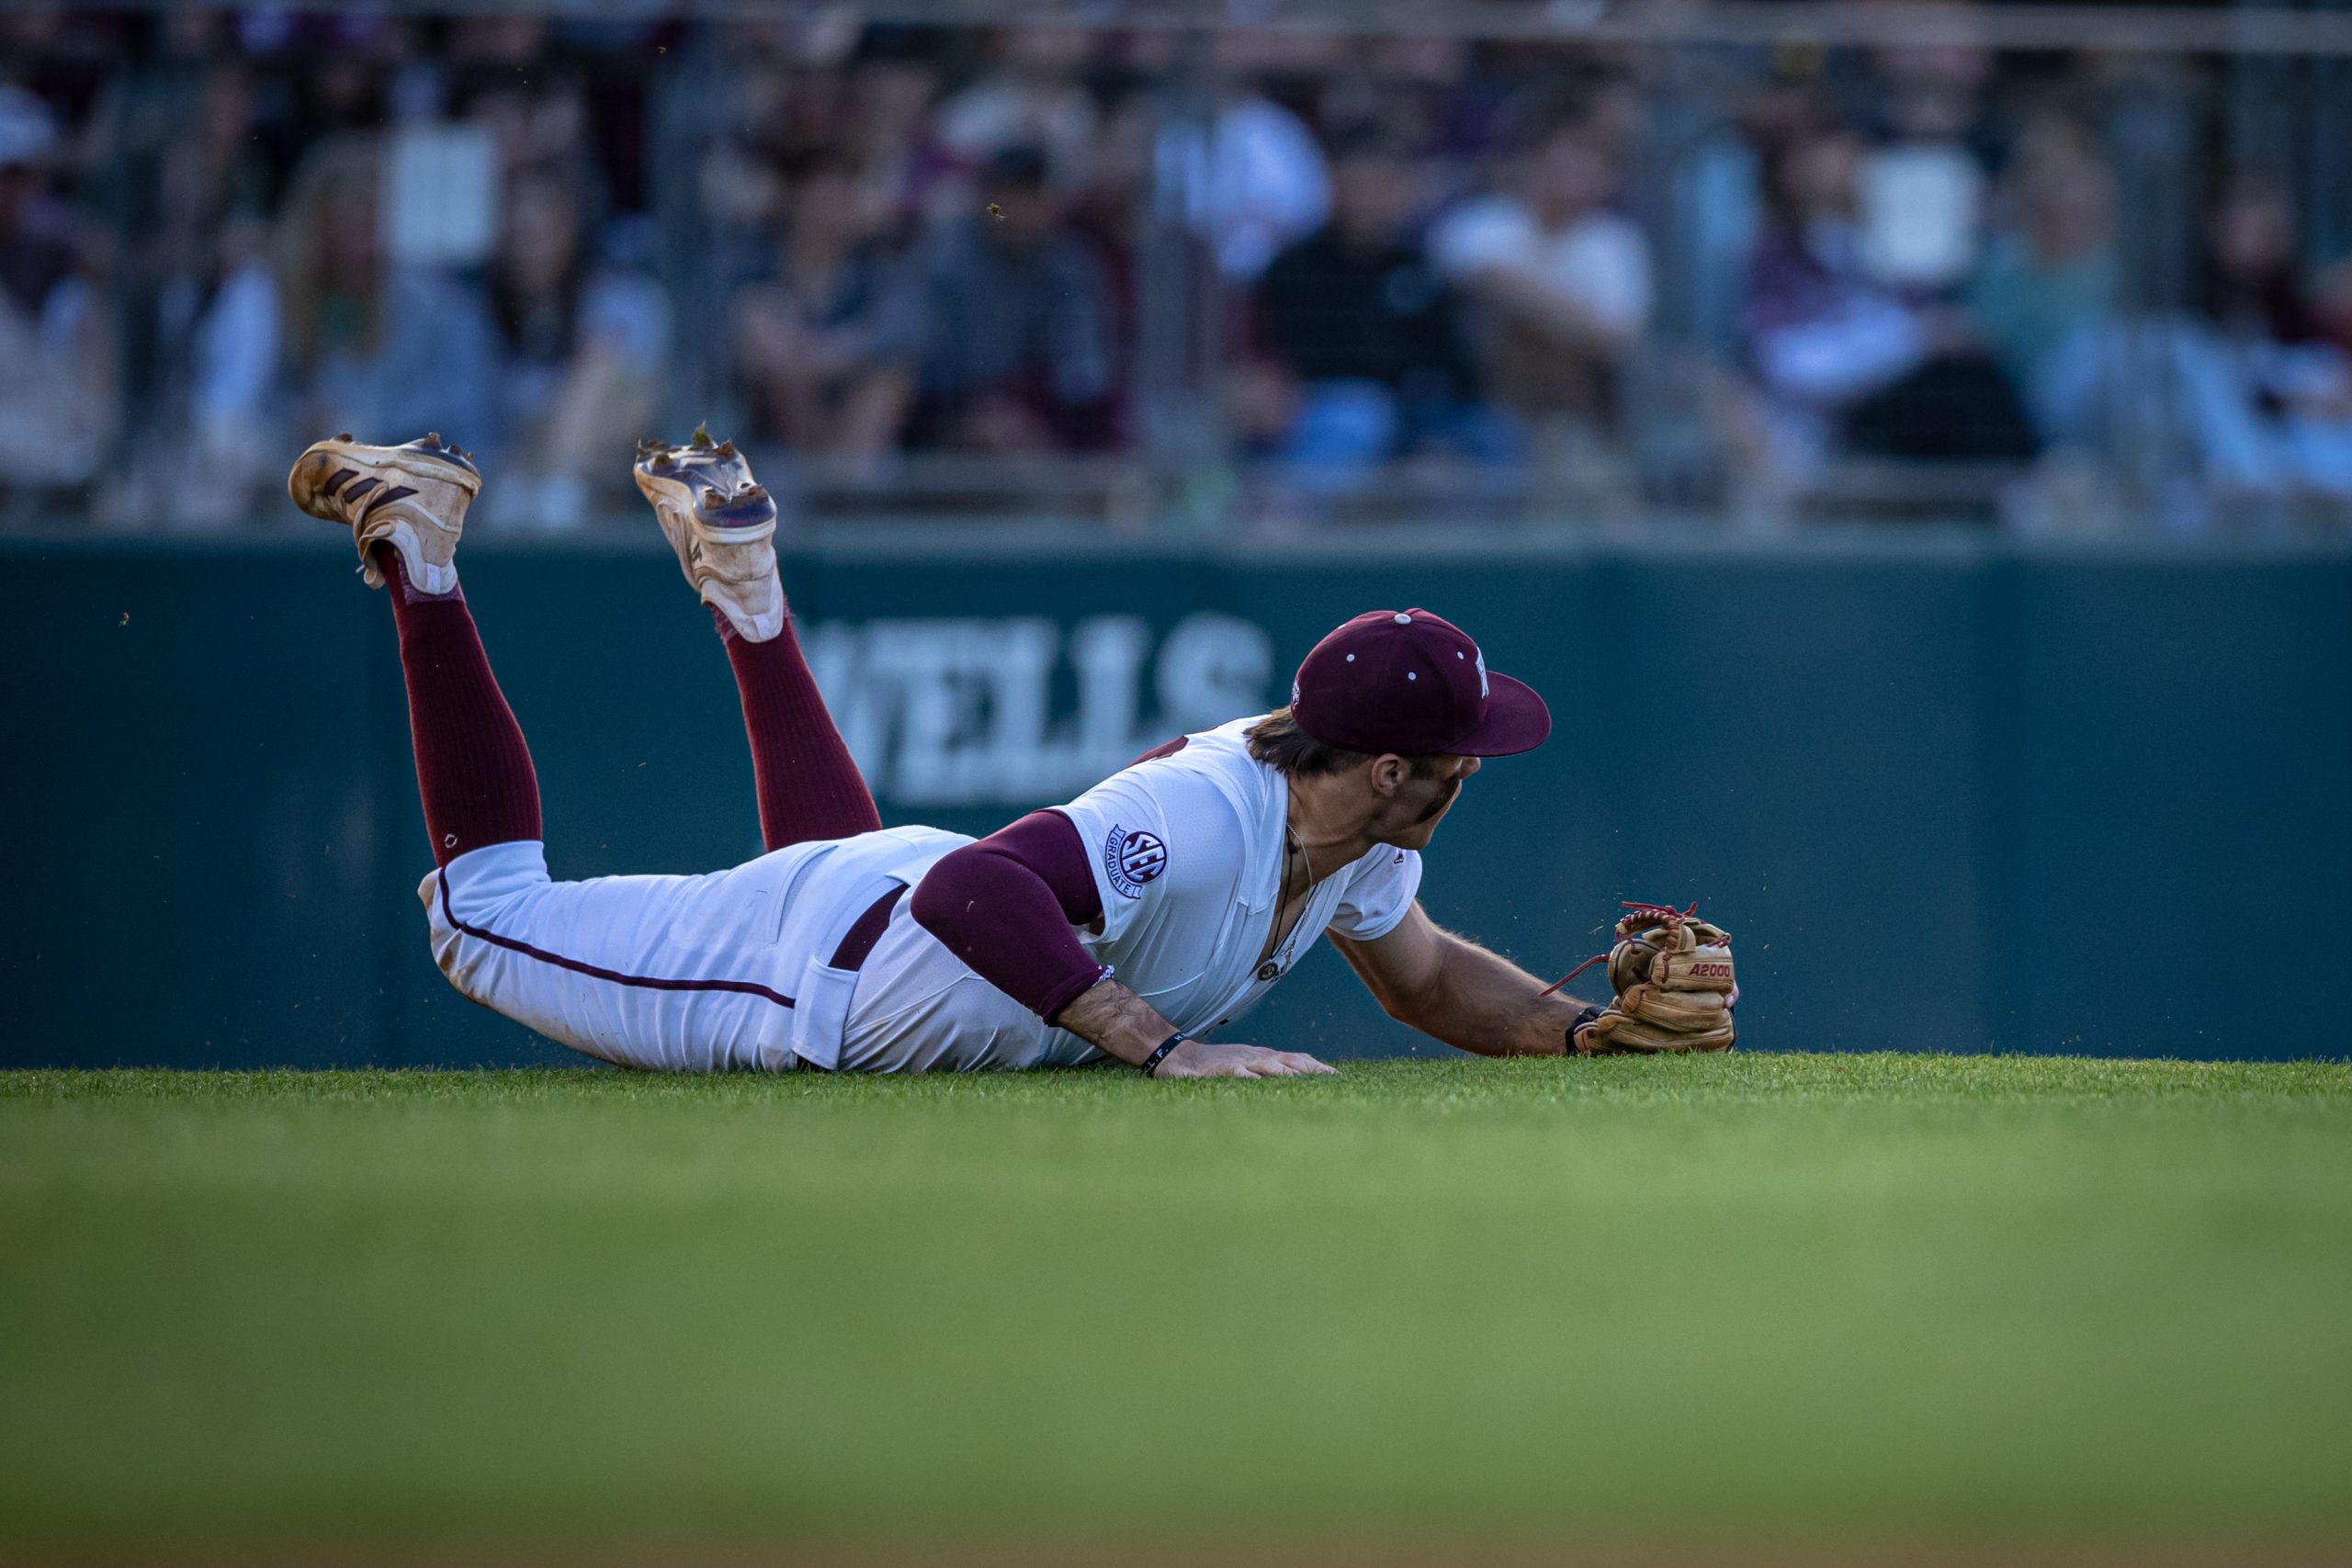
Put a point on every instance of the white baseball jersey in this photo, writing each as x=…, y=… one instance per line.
x=1187, y=855
x=729, y=970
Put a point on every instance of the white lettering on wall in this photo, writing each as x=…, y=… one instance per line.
x=957, y=712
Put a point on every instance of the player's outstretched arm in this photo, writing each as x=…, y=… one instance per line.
x=1131, y=1029
x=1455, y=990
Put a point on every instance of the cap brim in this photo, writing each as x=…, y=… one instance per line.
x=1516, y=721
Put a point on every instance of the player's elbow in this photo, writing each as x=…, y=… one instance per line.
x=1408, y=1004
x=1432, y=994
x=1400, y=980
x=948, y=897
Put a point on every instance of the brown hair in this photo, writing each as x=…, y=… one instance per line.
x=336, y=170
x=1278, y=742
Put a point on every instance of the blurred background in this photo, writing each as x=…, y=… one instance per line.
x=1911, y=444
x=1552, y=265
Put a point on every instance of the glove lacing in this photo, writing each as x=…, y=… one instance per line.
x=1667, y=914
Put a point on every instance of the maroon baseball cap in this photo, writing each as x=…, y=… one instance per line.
x=1414, y=684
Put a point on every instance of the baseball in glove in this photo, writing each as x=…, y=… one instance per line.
x=1675, y=989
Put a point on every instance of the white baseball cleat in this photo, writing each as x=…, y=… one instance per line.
x=414, y=495
x=721, y=524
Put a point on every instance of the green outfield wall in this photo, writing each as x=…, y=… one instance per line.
x=1948, y=796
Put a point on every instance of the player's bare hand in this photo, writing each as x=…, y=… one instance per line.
x=1202, y=1059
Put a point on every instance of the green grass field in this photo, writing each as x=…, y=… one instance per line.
x=1786, y=1299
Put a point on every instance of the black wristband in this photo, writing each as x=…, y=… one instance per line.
x=1151, y=1064
x=1591, y=1011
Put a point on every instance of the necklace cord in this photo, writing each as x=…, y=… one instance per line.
x=1276, y=935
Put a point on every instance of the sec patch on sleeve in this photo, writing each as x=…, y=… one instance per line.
x=1130, y=860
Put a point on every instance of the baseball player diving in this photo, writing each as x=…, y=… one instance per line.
x=1136, y=922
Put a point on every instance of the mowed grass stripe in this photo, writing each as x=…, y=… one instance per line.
x=1804, y=1296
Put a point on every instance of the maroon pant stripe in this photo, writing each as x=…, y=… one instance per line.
x=597, y=972
x=852, y=954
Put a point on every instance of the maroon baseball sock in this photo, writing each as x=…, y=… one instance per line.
x=807, y=786
x=472, y=768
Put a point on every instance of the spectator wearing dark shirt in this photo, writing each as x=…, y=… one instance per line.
x=1016, y=353
x=578, y=349
x=1361, y=335
x=825, y=350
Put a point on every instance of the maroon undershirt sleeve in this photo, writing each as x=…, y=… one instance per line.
x=1006, y=906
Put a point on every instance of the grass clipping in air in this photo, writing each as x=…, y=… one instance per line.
x=1884, y=1297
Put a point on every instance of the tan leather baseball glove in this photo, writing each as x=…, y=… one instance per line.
x=1672, y=973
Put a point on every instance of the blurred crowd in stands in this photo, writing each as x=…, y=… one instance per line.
x=222, y=233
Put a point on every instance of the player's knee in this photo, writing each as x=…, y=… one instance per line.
x=476, y=886
x=464, y=963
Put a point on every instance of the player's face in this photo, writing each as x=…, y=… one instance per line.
x=1421, y=802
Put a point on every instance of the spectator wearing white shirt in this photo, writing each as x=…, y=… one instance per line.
x=1562, y=284
x=1033, y=97
x=232, y=358
x=1254, y=178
